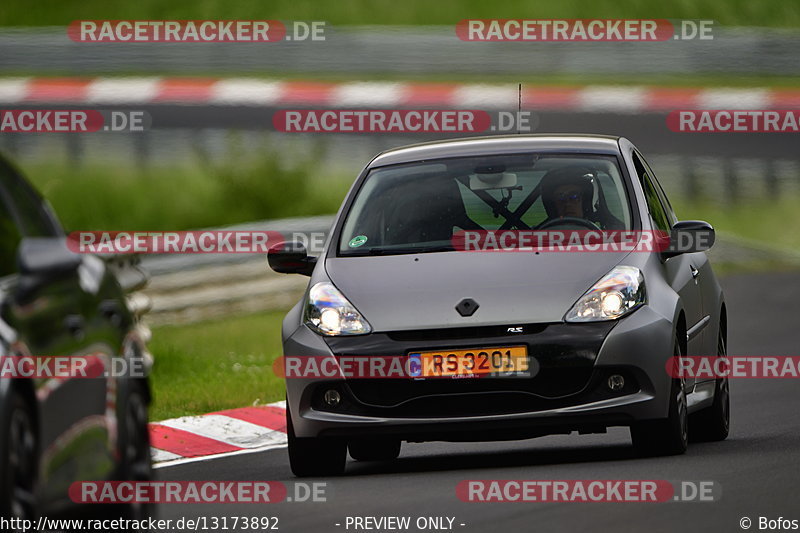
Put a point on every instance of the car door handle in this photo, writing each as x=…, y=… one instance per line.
x=75, y=325
x=695, y=272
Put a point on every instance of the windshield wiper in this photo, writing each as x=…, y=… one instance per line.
x=404, y=250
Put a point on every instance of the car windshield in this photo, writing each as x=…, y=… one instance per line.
x=418, y=207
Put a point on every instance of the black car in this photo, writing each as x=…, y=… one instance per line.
x=58, y=430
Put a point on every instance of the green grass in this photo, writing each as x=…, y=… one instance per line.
x=534, y=79
x=215, y=365
x=526, y=78
x=119, y=197
x=773, y=222
x=775, y=13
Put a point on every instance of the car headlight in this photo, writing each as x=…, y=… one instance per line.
x=329, y=313
x=617, y=294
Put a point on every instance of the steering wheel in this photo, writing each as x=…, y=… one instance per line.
x=567, y=221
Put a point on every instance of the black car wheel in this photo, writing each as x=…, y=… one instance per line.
x=668, y=436
x=713, y=423
x=315, y=456
x=374, y=449
x=19, y=464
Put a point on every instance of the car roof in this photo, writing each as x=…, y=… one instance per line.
x=499, y=144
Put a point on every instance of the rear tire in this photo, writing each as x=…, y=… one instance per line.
x=310, y=457
x=668, y=436
x=713, y=423
x=376, y=449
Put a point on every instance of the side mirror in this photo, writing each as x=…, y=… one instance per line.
x=291, y=258
x=46, y=256
x=688, y=236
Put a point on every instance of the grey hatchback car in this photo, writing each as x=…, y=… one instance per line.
x=561, y=342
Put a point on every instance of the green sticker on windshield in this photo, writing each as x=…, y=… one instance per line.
x=357, y=241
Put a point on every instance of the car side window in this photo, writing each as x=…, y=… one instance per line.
x=34, y=217
x=657, y=211
x=659, y=190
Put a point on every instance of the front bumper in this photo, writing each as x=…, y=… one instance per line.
x=569, y=393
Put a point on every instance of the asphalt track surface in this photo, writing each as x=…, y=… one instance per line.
x=757, y=468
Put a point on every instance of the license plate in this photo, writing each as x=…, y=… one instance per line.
x=505, y=361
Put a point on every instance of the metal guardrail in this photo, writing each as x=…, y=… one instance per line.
x=190, y=288
x=409, y=50
x=160, y=265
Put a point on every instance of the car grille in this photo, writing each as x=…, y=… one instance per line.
x=565, y=354
x=459, y=399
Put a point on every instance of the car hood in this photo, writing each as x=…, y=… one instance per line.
x=421, y=291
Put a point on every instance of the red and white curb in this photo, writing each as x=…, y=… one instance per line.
x=282, y=93
x=231, y=432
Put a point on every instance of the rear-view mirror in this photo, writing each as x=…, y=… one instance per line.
x=499, y=180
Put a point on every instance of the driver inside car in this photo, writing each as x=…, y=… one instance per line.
x=567, y=193
x=569, y=201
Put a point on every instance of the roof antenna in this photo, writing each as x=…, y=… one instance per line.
x=519, y=106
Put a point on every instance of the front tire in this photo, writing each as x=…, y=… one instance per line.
x=309, y=457
x=713, y=423
x=668, y=436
